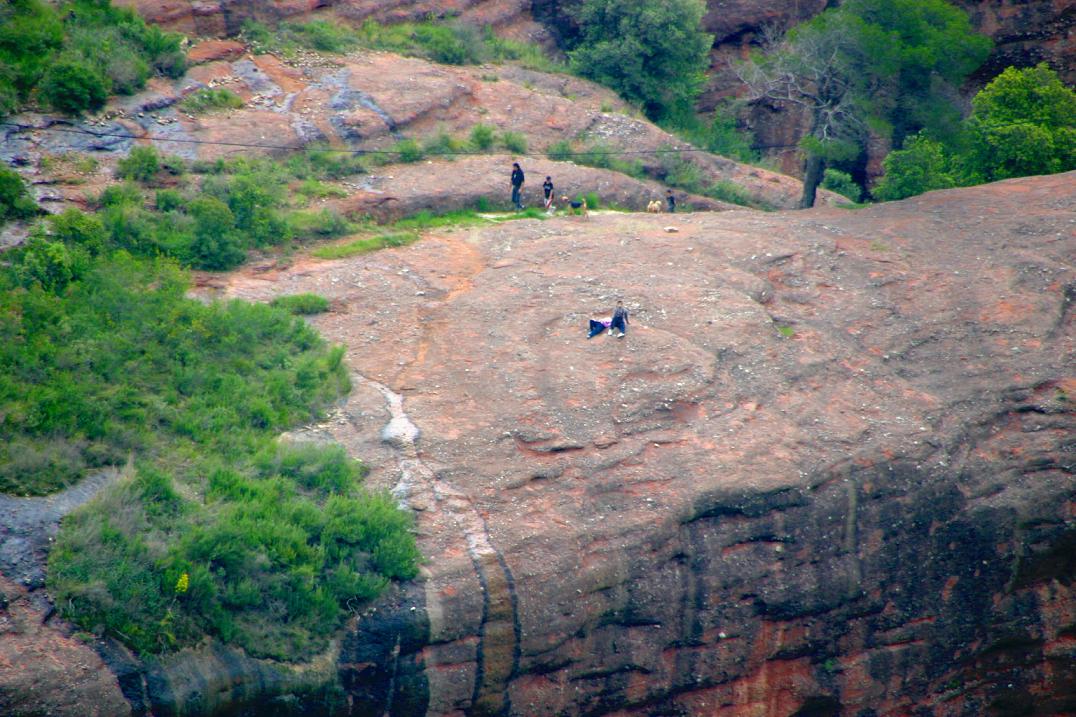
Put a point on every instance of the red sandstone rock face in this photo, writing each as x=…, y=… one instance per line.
x=827, y=470
x=368, y=101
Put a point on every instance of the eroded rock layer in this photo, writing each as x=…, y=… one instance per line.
x=829, y=470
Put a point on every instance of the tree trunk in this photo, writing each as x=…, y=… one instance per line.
x=812, y=177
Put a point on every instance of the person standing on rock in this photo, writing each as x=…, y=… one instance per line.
x=547, y=189
x=517, y=185
x=619, y=324
x=670, y=200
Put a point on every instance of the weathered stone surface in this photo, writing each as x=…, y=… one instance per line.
x=366, y=102
x=828, y=470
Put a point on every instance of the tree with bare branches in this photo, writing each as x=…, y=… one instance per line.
x=887, y=67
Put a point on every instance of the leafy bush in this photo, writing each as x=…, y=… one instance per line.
x=74, y=228
x=482, y=136
x=408, y=151
x=651, y=53
x=514, y=142
x=324, y=223
x=15, y=201
x=842, y=183
x=141, y=164
x=78, y=53
x=560, y=151
x=1023, y=122
x=208, y=100
x=301, y=303
x=920, y=167
x=72, y=88
x=443, y=144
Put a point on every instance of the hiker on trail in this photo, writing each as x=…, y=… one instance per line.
x=619, y=324
x=671, y=200
x=517, y=185
x=547, y=189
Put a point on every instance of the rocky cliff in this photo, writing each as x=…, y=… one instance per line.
x=829, y=470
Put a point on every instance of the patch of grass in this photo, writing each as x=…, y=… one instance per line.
x=316, y=189
x=786, y=331
x=289, y=37
x=879, y=246
x=430, y=220
x=320, y=224
x=301, y=304
x=528, y=213
x=77, y=163
x=407, y=151
x=726, y=191
x=443, y=144
x=365, y=245
x=208, y=100
x=514, y=142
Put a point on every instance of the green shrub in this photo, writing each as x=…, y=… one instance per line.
x=482, y=136
x=72, y=88
x=208, y=100
x=593, y=200
x=651, y=53
x=442, y=144
x=842, y=183
x=15, y=200
x=316, y=189
x=78, y=229
x=325, y=36
x=141, y=164
x=726, y=191
x=514, y=142
x=170, y=200
x=120, y=195
x=324, y=223
x=52, y=265
x=301, y=303
x=325, y=163
x=921, y=166
x=408, y=151
x=560, y=151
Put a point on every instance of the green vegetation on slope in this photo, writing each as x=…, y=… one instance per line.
x=1022, y=123
x=216, y=529
x=884, y=66
x=453, y=43
x=15, y=200
x=71, y=56
x=653, y=54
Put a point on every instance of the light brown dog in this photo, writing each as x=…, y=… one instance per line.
x=654, y=207
x=580, y=206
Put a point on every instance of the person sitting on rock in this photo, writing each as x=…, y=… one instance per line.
x=619, y=324
x=597, y=326
x=517, y=185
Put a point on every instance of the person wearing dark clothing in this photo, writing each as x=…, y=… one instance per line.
x=517, y=185
x=597, y=327
x=671, y=200
x=619, y=324
x=547, y=189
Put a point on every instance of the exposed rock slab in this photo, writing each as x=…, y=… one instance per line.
x=366, y=102
x=829, y=467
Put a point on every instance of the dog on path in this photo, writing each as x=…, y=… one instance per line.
x=654, y=207
x=578, y=206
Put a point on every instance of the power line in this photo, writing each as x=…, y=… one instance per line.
x=301, y=148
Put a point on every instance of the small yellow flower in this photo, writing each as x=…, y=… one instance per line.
x=183, y=583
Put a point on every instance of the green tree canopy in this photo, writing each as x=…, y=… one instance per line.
x=651, y=53
x=888, y=66
x=1022, y=123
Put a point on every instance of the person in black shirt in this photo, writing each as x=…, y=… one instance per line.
x=619, y=325
x=547, y=189
x=671, y=200
x=517, y=185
